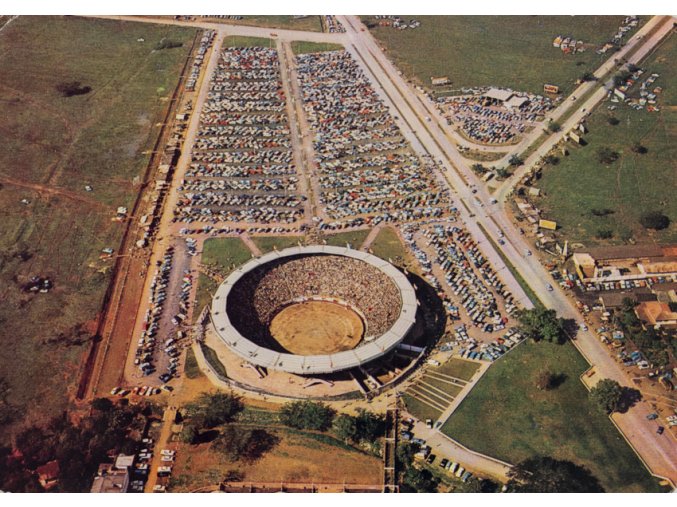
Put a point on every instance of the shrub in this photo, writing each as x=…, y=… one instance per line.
x=612, y=120
x=605, y=234
x=72, y=88
x=654, y=220
x=606, y=155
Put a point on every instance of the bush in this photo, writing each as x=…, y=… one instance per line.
x=638, y=148
x=515, y=161
x=168, y=44
x=612, y=120
x=551, y=159
x=654, y=220
x=606, y=155
x=479, y=169
x=605, y=234
x=189, y=434
x=307, y=415
x=553, y=126
x=588, y=76
x=602, y=212
x=72, y=88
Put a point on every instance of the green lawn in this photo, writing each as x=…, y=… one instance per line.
x=101, y=138
x=506, y=416
x=354, y=238
x=191, y=369
x=227, y=253
x=239, y=41
x=301, y=47
x=308, y=23
x=387, y=245
x=213, y=360
x=458, y=368
x=509, y=51
x=269, y=243
x=420, y=410
x=634, y=183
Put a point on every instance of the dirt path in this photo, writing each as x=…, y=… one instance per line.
x=247, y=240
x=371, y=237
x=168, y=418
x=46, y=189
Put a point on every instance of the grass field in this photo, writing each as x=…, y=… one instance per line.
x=301, y=47
x=506, y=416
x=60, y=144
x=387, y=245
x=420, y=410
x=239, y=41
x=508, y=51
x=354, y=238
x=308, y=23
x=635, y=183
x=269, y=243
x=226, y=253
x=191, y=369
x=458, y=368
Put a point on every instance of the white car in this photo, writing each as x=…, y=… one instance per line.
x=583, y=327
x=548, y=286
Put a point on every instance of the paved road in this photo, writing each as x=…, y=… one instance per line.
x=659, y=452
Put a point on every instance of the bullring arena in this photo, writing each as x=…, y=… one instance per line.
x=316, y=311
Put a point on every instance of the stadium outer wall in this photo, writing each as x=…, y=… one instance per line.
x=320, y=364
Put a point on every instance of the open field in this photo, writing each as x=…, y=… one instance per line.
x=239, y=41
x=354, y=238
x=513, y=51
x=269, y=243
x=301, y=47
x=299, y=456
x=507, y=417
x=307, y=23
x=54, y=145
x=635, y=183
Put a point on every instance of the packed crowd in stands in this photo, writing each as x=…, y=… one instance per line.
x=241, y=168
x=367, y=169
x=490, y=121
x=260, y=294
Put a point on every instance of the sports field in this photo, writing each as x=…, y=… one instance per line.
x=507, y=417
x=507, y=51
x=54, y=145
x=632, y=185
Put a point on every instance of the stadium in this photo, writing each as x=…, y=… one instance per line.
x=313, y=310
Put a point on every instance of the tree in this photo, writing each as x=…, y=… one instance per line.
x=621, y=78
x=606, y=155
x=543, y=474
x=502, y=173
x=588, y=76
x=613, y=121
x=244, y=444
x=605, y=233
x=515, y=161
x=542, y=324
x=551, y=159
x=189, y=434
x=102, y=404
x=638, y=148
x=654, y=220
x=607, y=395
x=307, y=415
x=479, y=168
x=553, y=126
x=546, y=380
x=213, y=409
x=345, y=427
x=370, y=426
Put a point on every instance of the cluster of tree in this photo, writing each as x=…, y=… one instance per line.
x=72, y=88
x=515, y=161
x=307, y=415
x=364, y=428
x=412, y=478
x=542, y=324
x=213, y=409
x=479, y=169
x=543, y=474
x=79, y=448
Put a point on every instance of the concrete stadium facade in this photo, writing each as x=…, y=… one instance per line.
x=320, y=364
